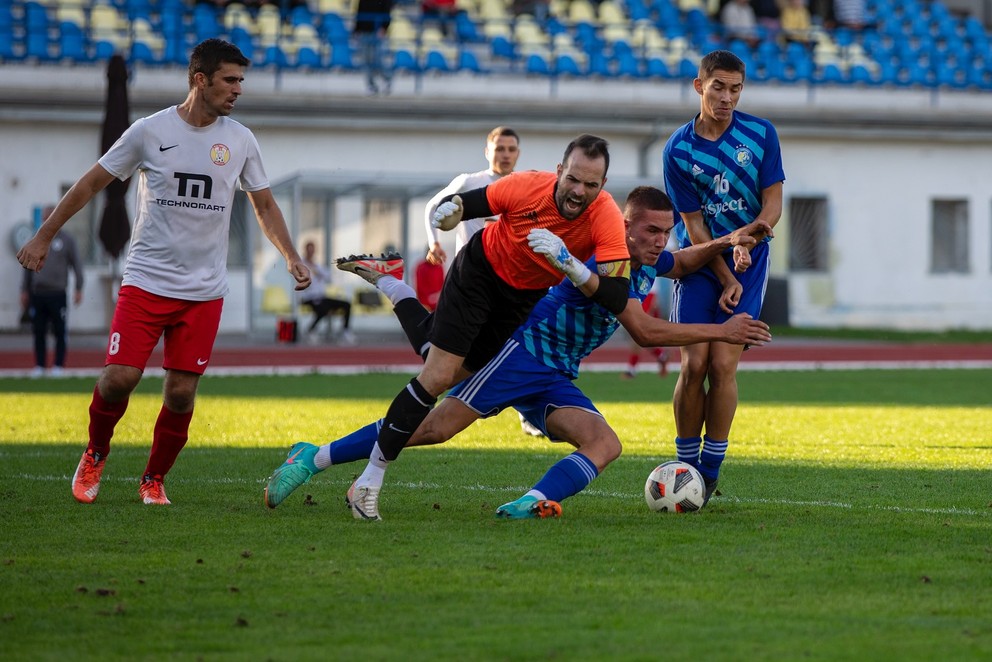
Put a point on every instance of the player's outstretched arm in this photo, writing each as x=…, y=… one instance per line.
x=32, y=255
x=649, y=331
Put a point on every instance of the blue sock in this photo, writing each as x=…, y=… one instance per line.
x=687, y=450
x=355, y=446
x=568, y=476
x=711, y=457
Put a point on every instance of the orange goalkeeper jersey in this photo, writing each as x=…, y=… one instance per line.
x=525, y=201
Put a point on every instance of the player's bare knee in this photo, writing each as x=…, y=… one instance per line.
x=117, y=382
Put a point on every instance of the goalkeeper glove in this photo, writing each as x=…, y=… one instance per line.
x=448, y=214
x=551, y=246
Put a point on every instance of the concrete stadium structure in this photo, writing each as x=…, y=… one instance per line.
x=888, y=202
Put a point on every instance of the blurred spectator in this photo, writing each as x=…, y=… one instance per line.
x=371, y=22
x=850, y=13
x=44, y=292
x=796, y=22
x=428, y=280
x=822, y=13
x=536, y=8
x=440, y=12
x=315, y=297
x=739, y=21
x=768, y=13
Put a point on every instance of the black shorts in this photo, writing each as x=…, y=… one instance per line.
x=478, y=311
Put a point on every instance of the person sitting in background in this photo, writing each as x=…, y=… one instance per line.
x=372, y=19
x=740, y=22
x=796, y=22
x=315, y=297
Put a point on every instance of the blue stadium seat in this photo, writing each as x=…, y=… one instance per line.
x=342, y=58
x=72, y=42
x=859, y=73
x=334, y=29
x=205, y=24
x=273, y=55
x=536, y=64
x=599, y=65
x=301, y=15
x=466, y=30
x=241, y=38
x=628, y=65
x=655, y=67
x=502, y=48
x=308, y=57
x=565, y=65
x=435, y=60
x=404, y=60
x=142, y=52
x=7, y=51
x=467, y=61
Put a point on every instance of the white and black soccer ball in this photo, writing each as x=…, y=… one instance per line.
x=675, y=487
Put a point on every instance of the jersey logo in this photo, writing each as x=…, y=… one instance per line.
x=220, y=154
x=193, y=185
x=163, y=148
x=743, y=156
x=696, y=170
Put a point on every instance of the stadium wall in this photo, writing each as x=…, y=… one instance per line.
x=879, y=157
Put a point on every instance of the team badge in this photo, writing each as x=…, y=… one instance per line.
x=743, y=156
x=220, y=154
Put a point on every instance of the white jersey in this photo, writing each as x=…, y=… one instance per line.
x=469, y=226
x=187, y=179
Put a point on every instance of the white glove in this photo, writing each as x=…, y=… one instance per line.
x=448, y=214
x=551, y=246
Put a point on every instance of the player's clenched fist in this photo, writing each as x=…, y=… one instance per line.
x=448, y=214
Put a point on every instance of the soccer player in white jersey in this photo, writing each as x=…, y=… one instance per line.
x=190, y=158
x=502, y=152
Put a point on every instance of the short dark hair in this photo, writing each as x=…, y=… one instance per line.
x=648, y=197
x=720, y=61
x=208, y=56
x=592, y=146
x=501, y=131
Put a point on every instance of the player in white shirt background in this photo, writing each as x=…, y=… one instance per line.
x=502, y=152
x=190, y=159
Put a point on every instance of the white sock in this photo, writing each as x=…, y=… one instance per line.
x=322, y=459
x=375, y=470
x=537, y=494
x=395, y=289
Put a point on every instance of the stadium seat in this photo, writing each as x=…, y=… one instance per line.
x=334, y=30
x=567, y=65
x=405, y=60
x=536, y=64
x=467, y=61
x=240, y=37
x=342, y=58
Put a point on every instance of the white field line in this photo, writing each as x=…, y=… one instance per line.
x=487, y=489
x=750, y=366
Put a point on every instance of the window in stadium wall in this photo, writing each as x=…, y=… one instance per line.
x=809, y=238
x=949, y=237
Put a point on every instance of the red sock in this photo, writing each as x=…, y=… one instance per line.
x=171, y=433
x=633, y=361
x=103, y=418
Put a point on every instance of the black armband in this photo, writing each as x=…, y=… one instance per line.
x=475, y=204
x=612, y=293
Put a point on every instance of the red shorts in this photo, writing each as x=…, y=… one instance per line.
x=141, y=318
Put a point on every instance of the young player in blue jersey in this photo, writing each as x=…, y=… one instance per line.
x=534, y=371
x=723, y=170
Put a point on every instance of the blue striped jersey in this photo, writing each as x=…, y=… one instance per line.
x=723, y=178
x=566, y=325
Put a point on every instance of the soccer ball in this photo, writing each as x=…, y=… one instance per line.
x=675, y=487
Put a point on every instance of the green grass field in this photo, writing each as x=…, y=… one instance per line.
x=855, y=523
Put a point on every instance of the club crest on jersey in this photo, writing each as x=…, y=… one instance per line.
x=220, y=154
x=743, y=156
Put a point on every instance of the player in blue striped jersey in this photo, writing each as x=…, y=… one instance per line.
x=534, y=371
x=723, y=170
